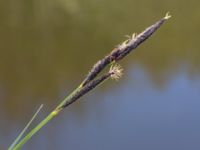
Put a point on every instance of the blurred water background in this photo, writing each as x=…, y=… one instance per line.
x=47, y=47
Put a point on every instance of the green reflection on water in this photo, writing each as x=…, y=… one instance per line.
x=48, y=45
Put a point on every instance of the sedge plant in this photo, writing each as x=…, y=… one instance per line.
x=94, y=78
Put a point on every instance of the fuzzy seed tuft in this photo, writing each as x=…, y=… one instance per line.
x=116, y=72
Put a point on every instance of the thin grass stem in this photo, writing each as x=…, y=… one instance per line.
x=25, y=128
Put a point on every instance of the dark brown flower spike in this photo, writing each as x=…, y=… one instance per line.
x=123, y=49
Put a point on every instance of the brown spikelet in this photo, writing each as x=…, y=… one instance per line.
x=123, y=49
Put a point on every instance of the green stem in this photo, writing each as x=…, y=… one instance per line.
x=68, y=98
x=45, y=121
x=25, y=129
x=34, y=130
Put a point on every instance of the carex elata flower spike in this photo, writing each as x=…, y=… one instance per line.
x=123, y=49
x=115, y=55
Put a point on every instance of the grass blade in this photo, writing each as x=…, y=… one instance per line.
x=25, y=128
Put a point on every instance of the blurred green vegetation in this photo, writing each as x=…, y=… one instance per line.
x=48, y=45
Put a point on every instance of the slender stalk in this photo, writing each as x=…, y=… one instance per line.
x=25, y=129
x=36, y=129
x=90, y=82
x=69, y=99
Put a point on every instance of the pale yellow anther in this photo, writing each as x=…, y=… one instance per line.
x=167, y=16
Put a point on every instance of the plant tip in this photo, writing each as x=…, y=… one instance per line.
x=167, y=16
